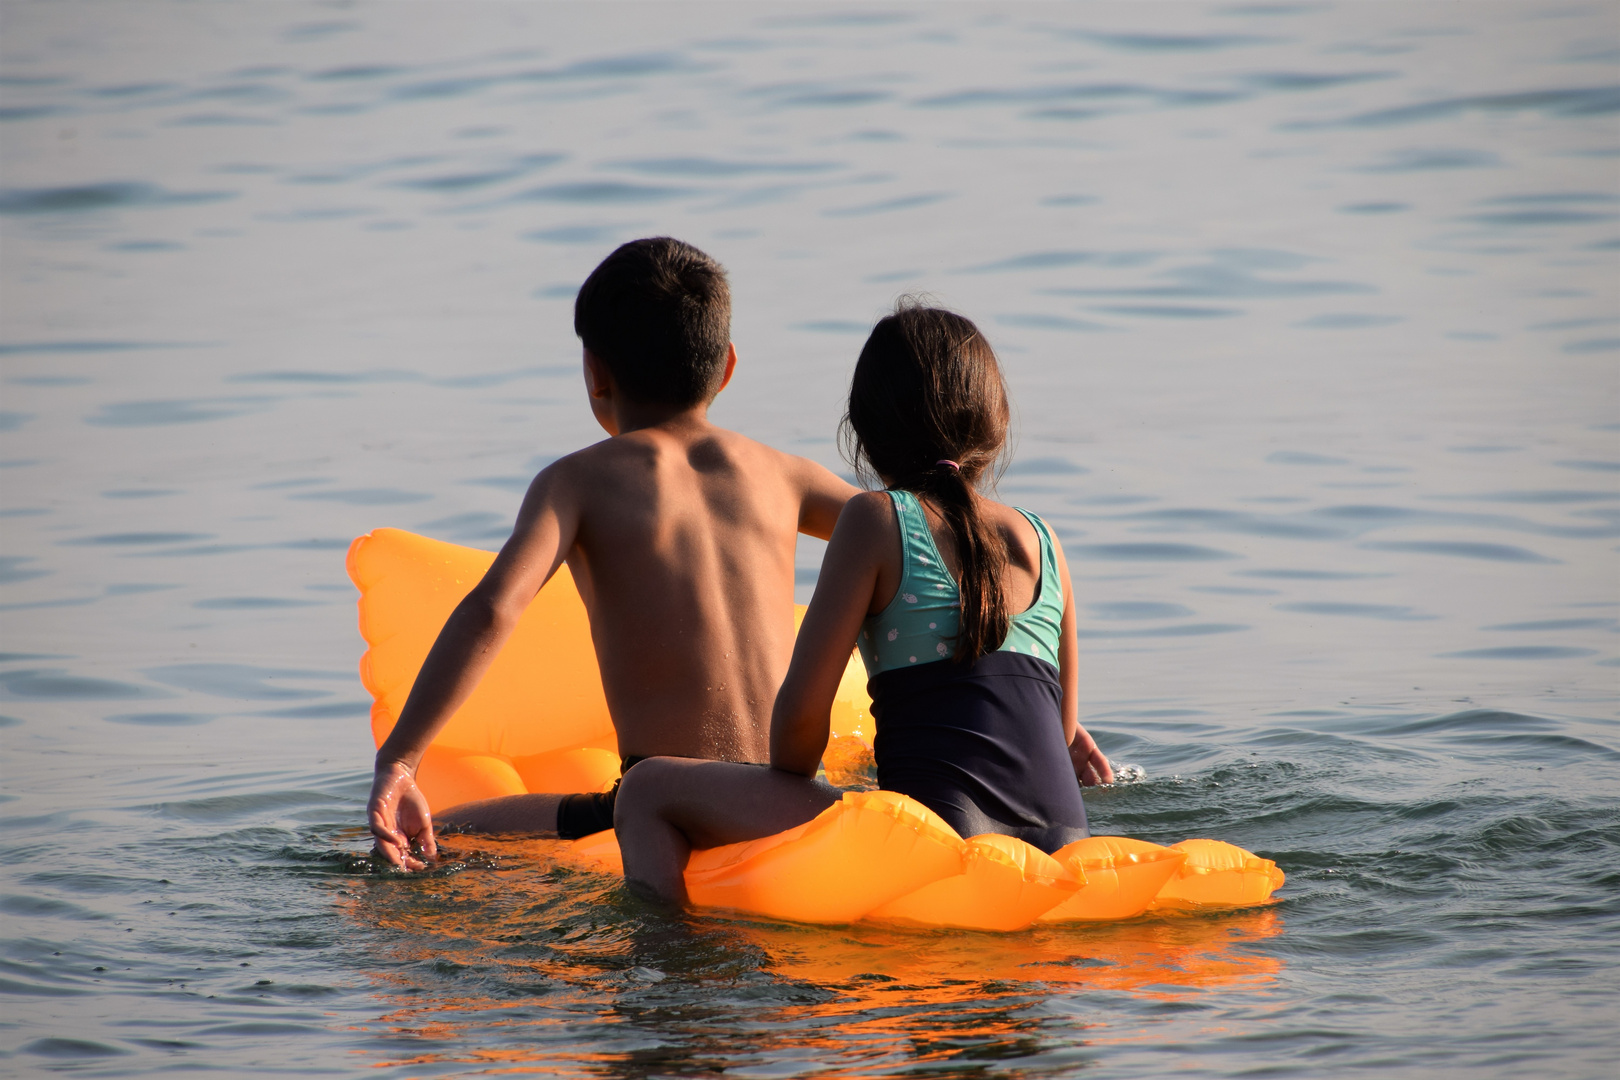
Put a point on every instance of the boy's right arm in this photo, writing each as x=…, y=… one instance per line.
x=472, y=637
x=822, y=500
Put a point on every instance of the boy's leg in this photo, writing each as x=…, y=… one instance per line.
x=535, y=815
x=668, y=806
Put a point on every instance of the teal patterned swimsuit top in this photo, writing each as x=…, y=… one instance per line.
x=918, y=625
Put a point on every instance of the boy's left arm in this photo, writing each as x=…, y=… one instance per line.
x=1091, y=765
x=466, y=646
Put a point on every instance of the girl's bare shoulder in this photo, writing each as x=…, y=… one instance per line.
x=868, y=510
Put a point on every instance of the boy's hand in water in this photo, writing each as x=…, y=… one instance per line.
x=398, y=814
x=1091, y=766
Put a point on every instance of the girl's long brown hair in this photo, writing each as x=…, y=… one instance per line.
x=927, y=388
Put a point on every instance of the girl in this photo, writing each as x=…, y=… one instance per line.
x=964, y=616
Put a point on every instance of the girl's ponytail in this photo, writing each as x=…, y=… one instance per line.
x=983, y=558
x=928, y=413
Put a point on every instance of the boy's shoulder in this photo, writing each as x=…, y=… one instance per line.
x=639, y=451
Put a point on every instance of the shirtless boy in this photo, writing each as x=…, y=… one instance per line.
x=679, y=535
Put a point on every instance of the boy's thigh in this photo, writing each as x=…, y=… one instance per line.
x=722, y=802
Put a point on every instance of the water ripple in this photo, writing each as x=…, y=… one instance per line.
x=1431, y=158
x=602, y=191
x=56, y=684
x=104, y=196
x=244, y=682
x=1397, y=613
x=1521, y=652
x=1160, y=42
x=1574, y=101
x=183, y=411
x=1151, y=552
x=717, y=168
x=1461, y=549
x=1229, y=274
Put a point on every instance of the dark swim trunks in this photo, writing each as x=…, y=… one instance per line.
x=591, y=811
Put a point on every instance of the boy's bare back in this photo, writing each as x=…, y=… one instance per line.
x=680, y=537
x=683, y=542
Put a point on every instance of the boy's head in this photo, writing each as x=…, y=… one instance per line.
x=657, y=312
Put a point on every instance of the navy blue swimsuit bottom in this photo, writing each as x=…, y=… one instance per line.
x=981, y=746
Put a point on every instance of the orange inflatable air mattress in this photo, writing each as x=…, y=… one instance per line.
x=539, y=722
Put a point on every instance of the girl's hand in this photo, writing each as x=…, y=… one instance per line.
x=1091, y=767
x=398, y=814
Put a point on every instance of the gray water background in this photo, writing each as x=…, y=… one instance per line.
x=1311, y=314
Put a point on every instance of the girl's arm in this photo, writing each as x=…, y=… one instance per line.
x=864, y=538
x=1090, y=764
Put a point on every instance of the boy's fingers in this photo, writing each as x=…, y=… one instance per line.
x=398, y=855
x=427, y=841
x=386, y=833
x=390, y=842
x=388, y=851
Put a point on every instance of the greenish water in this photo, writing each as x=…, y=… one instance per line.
x=1310, y=313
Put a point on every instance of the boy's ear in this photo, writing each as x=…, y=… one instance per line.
x=731, y=365
x=598, y=379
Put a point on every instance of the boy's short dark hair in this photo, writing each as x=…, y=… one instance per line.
x=658, y=313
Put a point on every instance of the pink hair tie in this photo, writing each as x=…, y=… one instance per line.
x=948, y=461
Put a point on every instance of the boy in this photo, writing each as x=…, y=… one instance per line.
x=679, y=535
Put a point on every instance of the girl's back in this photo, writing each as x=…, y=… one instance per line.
x=981, y=742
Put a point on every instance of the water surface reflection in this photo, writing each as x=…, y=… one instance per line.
x=506, y=949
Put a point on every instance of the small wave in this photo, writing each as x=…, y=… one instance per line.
x=251, y=603
x=1461, y=549
x=1159, y=42
x=165, y=413
x=884, y=206
x=1138, y=609
x=244, y=681
x=138, y=539
x=1520, y=652
x=1054, y=260
x=65, y=1049
x=1393, y=612
x=1479, y=720
x=716, y=168
x=1168, y=311
x=106, y=196
x=160, y=719
x=22, y=348
x=1348, y=320
x=602, y=191
x=231, y=807
x=1151, y=552
x=1036, y=321
x=1046, y=466
x=1430, y=159
x=1180, y=630
x=365, y=496
x=56, y=684
x=1574, y=101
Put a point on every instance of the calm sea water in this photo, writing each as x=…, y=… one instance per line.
x=1312, y=315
